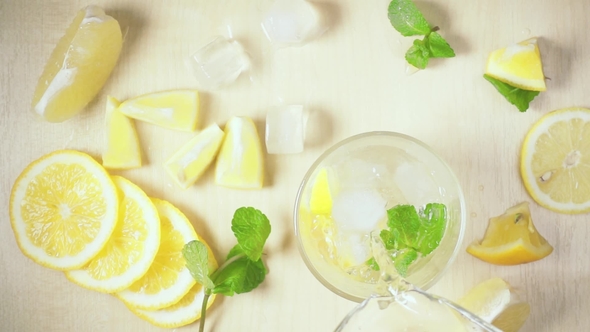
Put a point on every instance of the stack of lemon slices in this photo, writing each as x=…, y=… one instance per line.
x=106, y=234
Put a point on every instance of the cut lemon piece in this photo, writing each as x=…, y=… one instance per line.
x=240, y=163
x=321, y=195
x=167, y=280
x=496, y=302
x=79, y=66
x=122, y=150
x=132, y=247
x=63, y=209
x=555, y=161
x=518, y=65
x=511, y=239
x=188, y=164
x=185, y=311
x=176, y=109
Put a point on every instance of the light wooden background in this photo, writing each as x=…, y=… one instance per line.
x=353, y=80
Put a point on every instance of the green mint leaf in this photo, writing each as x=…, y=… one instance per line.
x=404, y=224
x=407, y=19
x=516, y=96
x=241, y=275
x=251, y=227
x=197, y=261
x=438, y=46
x=372, y=263
x=403, y=259
x=418, y=54
x=432, y=228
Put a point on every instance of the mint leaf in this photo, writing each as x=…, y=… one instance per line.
x=197, y=261
x=372, y=263
x=432, y=228
x=240, y=275
x=403, y=260
x=518, y=97
x=438, y=46
x=418, y=54
x=251, y=227
x=407, y=19
x=404, y=224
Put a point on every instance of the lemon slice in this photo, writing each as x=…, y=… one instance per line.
x=321, y=194
x=518, y=65
x=132, y=247
x=555, y=163
x=185, y=311
x=176, y=109
x=63, y=209
x=79, y=66
x=122, y=144
x=496, y=302
x=511, y=239
x=192, y=159
x=240, y=163
x=167, y=280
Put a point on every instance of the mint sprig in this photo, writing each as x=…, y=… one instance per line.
x=407, y=19
x=518, y=97
x=412, y=234
x=243, y=269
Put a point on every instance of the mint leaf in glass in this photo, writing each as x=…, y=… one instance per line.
x=403, y=259
x=407, y=19
x=404, y=223
x=516, y=96
x=251, y=228
x=432, y=228
x=438, y=46
x=197, y=261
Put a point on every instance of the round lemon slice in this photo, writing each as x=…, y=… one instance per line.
x=497, y=303
x=167, y=280
x=63, y=209
x=183, y=312
x=555, y=161
x=132, y=247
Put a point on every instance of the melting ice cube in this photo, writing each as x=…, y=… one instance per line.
x=416, y=184
x=218, y=63
x=285, y=130
x=291, y=22
x=359, y=210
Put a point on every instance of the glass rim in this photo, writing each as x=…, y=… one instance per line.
x=328, y=152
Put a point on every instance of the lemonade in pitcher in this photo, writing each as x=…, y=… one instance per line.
x=378, y=185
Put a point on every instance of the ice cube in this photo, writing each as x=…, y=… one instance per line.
x=291, y=23
x=416, y=184
x=218, y=63
x=359, y=210
x=353, y=248
x=285, y=130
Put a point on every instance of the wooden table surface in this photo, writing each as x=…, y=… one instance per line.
x=353, y=80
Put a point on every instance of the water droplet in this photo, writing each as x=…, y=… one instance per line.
x=473, y=214
x=480, y=188
x=526, y=31
x=411, y=70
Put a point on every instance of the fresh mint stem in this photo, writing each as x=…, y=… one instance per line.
x=204, y=310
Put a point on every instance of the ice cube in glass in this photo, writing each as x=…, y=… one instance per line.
x=218, y=63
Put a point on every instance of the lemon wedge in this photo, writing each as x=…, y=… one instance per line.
x=122, y=144
x=167, y=280
x=131, y=248
x=79, y=65
x=518, y=65
x=188, y=164
x=175, y=109
x=185, y=311
x=497, y=303
x=511, y=239
x=63, y=209
x=554, y=161
x=321, y=195
x=240, y=163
